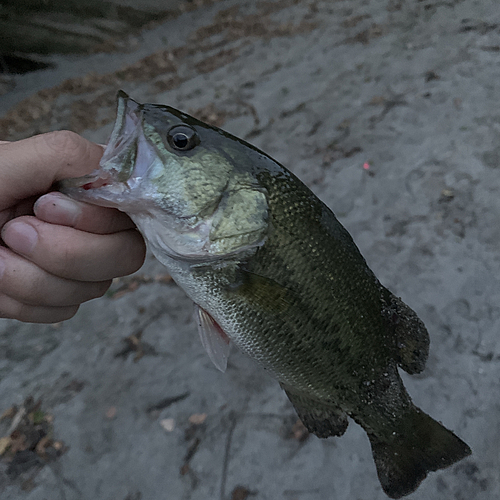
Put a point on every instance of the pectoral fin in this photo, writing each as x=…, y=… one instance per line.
x=262, y=292
x=213, y=339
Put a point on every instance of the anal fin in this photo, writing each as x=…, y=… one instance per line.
x=320, y=418
x=214, y=340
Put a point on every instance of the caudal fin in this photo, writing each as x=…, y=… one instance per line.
x=418, y=446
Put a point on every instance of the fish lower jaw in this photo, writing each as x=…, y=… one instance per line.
x=103, y=192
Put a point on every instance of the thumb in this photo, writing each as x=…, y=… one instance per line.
x=29, y=167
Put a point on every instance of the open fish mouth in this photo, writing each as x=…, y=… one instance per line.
x=124, y=163
x=120, y=154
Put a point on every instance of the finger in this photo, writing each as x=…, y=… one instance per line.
x=13, y=309
x=24, y=207
x=58, y=208
x=31, y=166
x=23, y=281
x=73, y=254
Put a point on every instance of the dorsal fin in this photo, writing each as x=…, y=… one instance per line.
x=411, y=335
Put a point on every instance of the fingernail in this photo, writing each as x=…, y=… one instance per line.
x=20, y=237
x=58, y=209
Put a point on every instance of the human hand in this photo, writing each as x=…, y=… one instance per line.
x=58, y=252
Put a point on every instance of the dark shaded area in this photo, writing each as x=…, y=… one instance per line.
x=23, y=461
x=29, y=27
x=165, y=403
x=19, y=65
x=28, y=441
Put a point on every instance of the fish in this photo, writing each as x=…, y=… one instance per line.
x=272, y=271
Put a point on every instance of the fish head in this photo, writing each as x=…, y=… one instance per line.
x=188, y=186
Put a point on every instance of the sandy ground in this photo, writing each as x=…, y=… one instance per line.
x=411, y=88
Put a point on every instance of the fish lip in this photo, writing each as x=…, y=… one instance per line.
x=126, y=131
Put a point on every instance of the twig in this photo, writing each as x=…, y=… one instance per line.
x=166, y=402
x=16, y=420
x=225, y=463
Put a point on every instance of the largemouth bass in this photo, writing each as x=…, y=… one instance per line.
x=272, y=270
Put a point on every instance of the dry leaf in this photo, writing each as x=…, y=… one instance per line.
x=17, y=442
x=28, y=485
x=40, y=447
x=197, y=418
x=58, y=445
x=240, y=493
x=131, y=284
x=299, y=431
x=9, y=413
x=135, y=345
x=457, y=102
x=377, y=100
x=163, y=278
x=4, y=445
x=129, y=288
x=111, y=412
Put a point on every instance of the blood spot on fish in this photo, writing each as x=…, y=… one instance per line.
x=95, y=184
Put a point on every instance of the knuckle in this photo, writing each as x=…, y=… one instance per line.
x=66, y=144
x=63, y=141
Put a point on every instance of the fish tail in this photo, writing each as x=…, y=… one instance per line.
x=419, y=445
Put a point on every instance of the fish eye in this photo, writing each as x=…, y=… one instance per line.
x=182, y=138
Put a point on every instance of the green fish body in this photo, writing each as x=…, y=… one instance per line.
x=271, y=270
